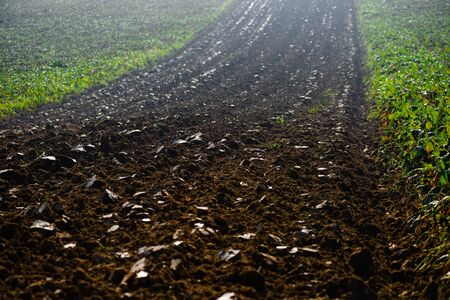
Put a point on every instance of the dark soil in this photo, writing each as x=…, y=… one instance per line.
x=243, y=164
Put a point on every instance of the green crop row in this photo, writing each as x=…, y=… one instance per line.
x=408, y=60
x=51, y=48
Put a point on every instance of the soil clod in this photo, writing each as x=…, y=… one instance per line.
x=362, y=263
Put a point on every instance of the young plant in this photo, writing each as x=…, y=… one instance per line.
x=66, y=61
x=273, y=146
x=314, y=109
x=280, y=120
x=409, y=80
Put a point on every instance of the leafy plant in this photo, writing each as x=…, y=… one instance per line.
x=280, y=120
x=75, y=45
x=278, y=143
x=408, y=57
x=329, y=92
x=273, y=146
x=314, y=109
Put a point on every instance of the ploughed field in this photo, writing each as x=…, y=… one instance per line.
x=52, y=48
x=242, y=167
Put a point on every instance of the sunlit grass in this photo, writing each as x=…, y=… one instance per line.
x=51, y=48
x=408, y=57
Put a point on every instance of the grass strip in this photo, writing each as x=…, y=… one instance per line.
x=52, y=48
x=408, y=60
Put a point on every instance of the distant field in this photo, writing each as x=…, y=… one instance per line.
x=408, y=57
x=49, y=48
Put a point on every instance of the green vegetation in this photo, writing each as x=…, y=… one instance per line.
x=273, y=146
x=322, y=103
x=278, y=143
x=408, y=57
x=329, y=93
x=280, y=120
x=314, y=109
x=51, y=48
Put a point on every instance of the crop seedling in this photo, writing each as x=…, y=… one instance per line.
x=85, y=45
x=314, y=109
x=280, y=120
x=329, y=93
x=409, y=81
x=273, y=146
x=277, y=143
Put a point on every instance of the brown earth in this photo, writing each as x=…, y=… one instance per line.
x=243, y=164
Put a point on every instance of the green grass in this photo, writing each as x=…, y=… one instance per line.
x=51, y=48
x=408, y=57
